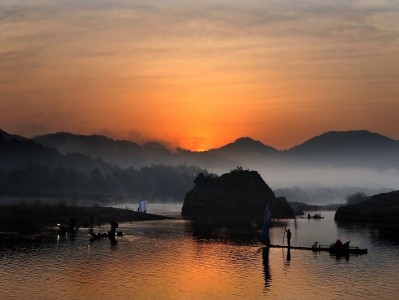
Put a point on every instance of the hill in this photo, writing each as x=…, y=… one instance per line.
x=16, y=150
x=30, y=169
x=379, y=208
x=122, y=153
x=348, y=148
x=247, y=152
x=238, y=194
x=338, y=149
x=129, y=154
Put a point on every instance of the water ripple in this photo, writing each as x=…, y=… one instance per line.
x=174, y=260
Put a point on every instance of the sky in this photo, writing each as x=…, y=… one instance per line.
x=199, y=74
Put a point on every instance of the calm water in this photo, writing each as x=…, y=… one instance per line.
x=176, y=259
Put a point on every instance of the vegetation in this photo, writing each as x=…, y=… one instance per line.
x=310, y=207
x=156, y=182
x=38, y=213
x=356, y=198
x=378, y=208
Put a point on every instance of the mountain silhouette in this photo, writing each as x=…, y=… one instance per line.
x=246, y=145
x=347, y=148
x=247, y=152
x=16, y=150
x=130, y=154
x=30, y=169
x=335, y=148
x=346, y=142
x=333, y=159
x=120, y=152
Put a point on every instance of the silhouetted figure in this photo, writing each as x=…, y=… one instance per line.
x=91, y=221
x=338, y=244
x=114, y=225
x=112, y=233
x=339, y=249
x=346, y=245
x=288, y=237
x=72, y=225
x=308, y=216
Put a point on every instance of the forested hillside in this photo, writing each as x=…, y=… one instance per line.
x=158, y=182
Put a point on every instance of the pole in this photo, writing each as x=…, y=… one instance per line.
x=284, y=232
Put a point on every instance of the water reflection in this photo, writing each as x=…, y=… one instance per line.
x=266, y=267
x=67, y=235
x=22, y=241
x=340, y=256
x=387, y=235
x=113, y=242
x=288, y=256
x=236, y=233
x=178, y=259
x=228, y=233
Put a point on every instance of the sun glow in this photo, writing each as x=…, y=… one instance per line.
x=197, y=77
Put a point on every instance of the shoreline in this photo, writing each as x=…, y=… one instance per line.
x=42, y=215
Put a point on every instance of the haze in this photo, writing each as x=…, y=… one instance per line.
x=199, y=74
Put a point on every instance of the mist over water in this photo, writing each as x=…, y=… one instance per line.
x=326, y=184
x=332, y=177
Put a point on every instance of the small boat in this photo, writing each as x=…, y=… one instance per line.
x=315, y=216
x=99, y=236
x=338, y=251
x=346, y=251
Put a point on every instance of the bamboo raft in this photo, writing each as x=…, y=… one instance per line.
x=331, y=250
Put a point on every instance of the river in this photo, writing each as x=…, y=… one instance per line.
x=179, y=259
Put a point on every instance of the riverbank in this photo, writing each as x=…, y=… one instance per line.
x=379, y=208
x=39, y=214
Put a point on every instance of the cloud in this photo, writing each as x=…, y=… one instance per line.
x=285, y=58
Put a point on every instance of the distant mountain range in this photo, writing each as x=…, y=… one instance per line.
x=30, y=169
x=362, y=149
x=339, y=149
x=16, y=150
x=130, y=154
x=326, y=167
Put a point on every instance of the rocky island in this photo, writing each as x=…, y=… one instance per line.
x=379, y=208
x=240, y=194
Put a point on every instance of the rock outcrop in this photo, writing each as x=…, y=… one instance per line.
x=240, y=193
x=379, y=208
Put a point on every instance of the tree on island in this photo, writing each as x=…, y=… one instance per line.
x=356, y=198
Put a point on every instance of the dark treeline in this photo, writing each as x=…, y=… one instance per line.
x=327, y=195
x=159, y=182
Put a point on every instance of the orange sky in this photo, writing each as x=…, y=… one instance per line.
x=199, y=74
